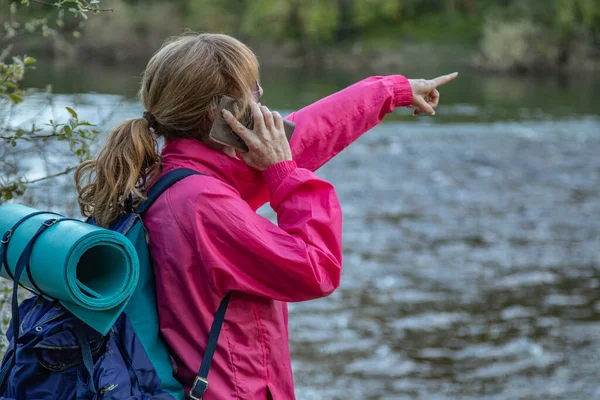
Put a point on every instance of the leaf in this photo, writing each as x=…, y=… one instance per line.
x=15, y=98
x=68, y=130
x=29, y=60
x=72, y=112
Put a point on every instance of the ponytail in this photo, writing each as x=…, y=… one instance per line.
x=124, y=167
x=181, y=87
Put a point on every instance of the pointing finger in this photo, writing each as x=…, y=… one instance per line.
x=442, y=80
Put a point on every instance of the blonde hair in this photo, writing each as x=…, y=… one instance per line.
x=181, y=88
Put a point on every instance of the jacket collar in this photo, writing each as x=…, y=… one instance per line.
x=193, y=154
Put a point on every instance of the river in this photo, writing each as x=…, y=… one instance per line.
x=471, y=239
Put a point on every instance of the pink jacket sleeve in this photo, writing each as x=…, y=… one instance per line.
x=325, y=128
x=298, y=260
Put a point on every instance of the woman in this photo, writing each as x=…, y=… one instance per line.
x=206, y=239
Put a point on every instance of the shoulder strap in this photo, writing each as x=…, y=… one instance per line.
x=163, y=184
x=22, y=265
x=201, y=381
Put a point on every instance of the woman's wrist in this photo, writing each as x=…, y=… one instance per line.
x=276, y=173
x=403, y=93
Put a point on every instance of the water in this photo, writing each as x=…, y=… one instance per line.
x=470, y=239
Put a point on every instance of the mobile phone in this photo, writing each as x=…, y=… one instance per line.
x=222, y=133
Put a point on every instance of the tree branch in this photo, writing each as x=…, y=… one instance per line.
x=33, y=137
x=46, y=3
x=65, y=172
x=18, y=186
x=42, y=2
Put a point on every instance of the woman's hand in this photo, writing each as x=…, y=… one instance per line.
x=267, y=142
x=425, y=94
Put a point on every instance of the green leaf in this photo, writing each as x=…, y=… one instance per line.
x=29, y=60
x=72, y=112
x=15, y=98
x=68, y=130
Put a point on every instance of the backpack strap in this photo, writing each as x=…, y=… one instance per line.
x=6, y=239
x=87, y=356
x=22, y=265
x=201, y=381
x=165, y=182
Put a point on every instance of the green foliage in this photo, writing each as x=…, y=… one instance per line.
x=216, y=16
x=319, y=23
x=11, y=75
x=369, y=11
x=77, y=134
x=269, y=19
x=315, y=27
x=509, y=45
x=319, y=19
x=531, y=35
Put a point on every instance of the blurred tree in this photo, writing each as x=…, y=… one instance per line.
x=450, y=5
x=216, y=16
x=551, y=34
x=313, y=26
x=367, y=12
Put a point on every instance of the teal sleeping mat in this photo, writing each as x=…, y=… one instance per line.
x=92, y=271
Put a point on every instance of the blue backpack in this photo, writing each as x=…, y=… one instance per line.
x=54, y=355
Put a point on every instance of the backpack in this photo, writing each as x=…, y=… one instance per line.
x=55, y=355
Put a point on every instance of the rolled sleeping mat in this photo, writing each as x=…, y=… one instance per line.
x=92, y=271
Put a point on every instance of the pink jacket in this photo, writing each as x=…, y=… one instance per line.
x=206, y=240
